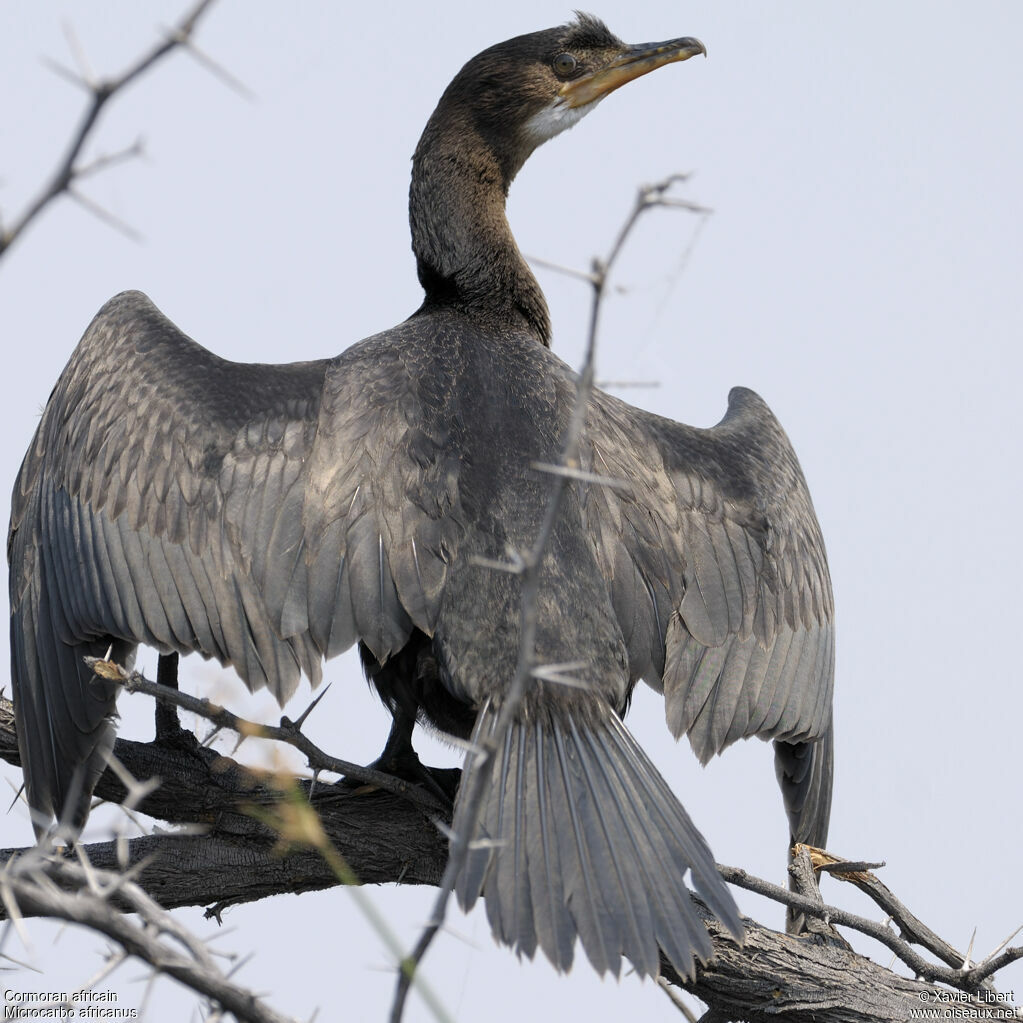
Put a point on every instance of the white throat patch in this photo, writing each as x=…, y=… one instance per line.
x=555, y=119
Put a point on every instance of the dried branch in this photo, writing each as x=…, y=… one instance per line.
x=42, y=884
x=288, y=731
x=910, y=926
x=962, y=978
x=68, y=171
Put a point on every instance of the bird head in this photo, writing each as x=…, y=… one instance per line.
x=520, y=93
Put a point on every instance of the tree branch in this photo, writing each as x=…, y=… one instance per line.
x=288, y=731
x=68, y=171
x=385, y=838
x=39, y=884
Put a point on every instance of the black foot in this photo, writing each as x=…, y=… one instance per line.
x=168, y=728
x=406, y=765
x=400, y=760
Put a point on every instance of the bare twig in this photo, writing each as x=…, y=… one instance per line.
x=676, y=999
x=288, y=732
x=100, y=93
x=56, y=887
x=105, y=160
x=970, y=980
x=581, y=474
x=910, y=926
x=851, y=867
x=622, y=385
x=479, y=781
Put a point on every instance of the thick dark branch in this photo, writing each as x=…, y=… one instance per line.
x=775, y=977
x=384, y=832
x=67, y=171
x=383, y=835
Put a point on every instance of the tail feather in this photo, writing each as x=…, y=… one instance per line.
x=658, y=868
x=605, y=826
x=583, y=838
x=512, y=913
x=556, y=928
x=598, y=929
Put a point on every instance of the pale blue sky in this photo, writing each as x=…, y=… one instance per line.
x=863, y=271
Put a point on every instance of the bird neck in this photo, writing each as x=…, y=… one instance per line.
x=466, y=256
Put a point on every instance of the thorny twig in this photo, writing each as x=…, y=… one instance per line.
x=527, y=566
x=41, y=883
x=68, y=171
x=910, y=926
x=288, y=731
x=969, y=979
x=676, y=999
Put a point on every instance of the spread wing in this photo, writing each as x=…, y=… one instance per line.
x=720, y=582
x=256, y=514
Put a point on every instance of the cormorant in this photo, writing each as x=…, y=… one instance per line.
x=270, y=516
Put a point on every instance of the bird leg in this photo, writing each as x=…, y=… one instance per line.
x=167, y=722
x=168, y=726
x=400, y=683
x=400, y=759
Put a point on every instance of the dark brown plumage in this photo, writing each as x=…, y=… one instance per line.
x=271, y=516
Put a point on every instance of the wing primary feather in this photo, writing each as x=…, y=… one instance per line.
x=118, y=623
x=820, y=684
x=342, y=631
x=699, y=713
x=793, y=702
x=733, y=709
x=90, y=588
x=761, y=721
x=783, y=682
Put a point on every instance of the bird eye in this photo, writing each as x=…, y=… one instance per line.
x=565, y=64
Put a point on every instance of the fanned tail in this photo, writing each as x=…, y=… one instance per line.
x=580, y=836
